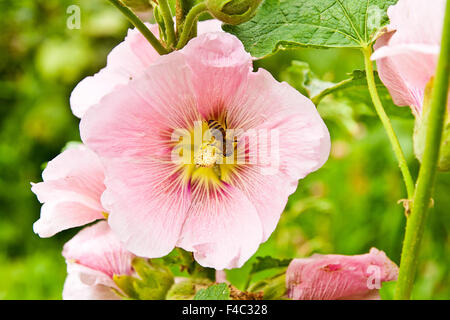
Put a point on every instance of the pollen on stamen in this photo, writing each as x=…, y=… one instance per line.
x=206, y=155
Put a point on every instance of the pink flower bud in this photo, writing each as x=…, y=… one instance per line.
x=339, y=277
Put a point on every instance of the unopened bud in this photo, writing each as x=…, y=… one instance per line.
x=233, y=11
x=138, y=5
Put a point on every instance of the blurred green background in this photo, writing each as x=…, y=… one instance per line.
x=346, y=207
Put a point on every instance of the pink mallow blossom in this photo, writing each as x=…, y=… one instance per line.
x=221, y=212
x=73, y=181
x=407, y=54
x=93, y=257
x=70, y=192
x=339, y=277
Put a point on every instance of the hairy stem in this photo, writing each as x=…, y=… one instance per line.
x=190, y=20
x=140, y=26
x=409, y=183
x=182, y=8
x=422, y=196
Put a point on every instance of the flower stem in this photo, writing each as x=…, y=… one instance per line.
x=427, y=173
x=191, y=18
x=140, y=26
x=168, y=21
x=409, y=183
x=319, y=97
x=182, y=8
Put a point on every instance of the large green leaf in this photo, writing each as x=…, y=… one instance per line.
x=312, y=23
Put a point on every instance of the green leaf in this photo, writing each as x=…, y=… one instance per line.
x=300, y=76
x=154, y=283
x=273, y=288
x=185, y=261
x=264, y=263
x=216, y=292
x=126, y=284
x=186, y=289
x=312, y=23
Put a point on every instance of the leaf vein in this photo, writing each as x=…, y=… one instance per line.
x=349, y=19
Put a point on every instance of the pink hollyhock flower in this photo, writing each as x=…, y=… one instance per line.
x=93, y=257
x=219, y=211
x=125, y=62
x=338, y=277
x=407, y=55
x=70, y=192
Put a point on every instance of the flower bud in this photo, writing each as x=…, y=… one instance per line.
x=233, y=11
x=339, y=277
x=138, y=5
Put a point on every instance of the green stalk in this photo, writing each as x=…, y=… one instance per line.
x=168, y=21
x=425, y=182
x=409, y=183
x=319, y=97
x=140, y=26
x=190, y=20
x=182, y=8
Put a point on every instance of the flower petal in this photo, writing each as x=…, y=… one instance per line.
x=97, y=248
x=301, y=144
x=304, y=140
x=58, y=216
x=75, y=289
x=125, y=62
x=220, y=68
x=406, y=70
x=407, y=55
x=222, y=229
x=268, y=194
x=147, y=204
x=407, y=18
x=71, y=191
x=212, y=25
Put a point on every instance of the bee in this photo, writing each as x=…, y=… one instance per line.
x=220, y=134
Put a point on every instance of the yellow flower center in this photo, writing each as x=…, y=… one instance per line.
x=203, y=159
